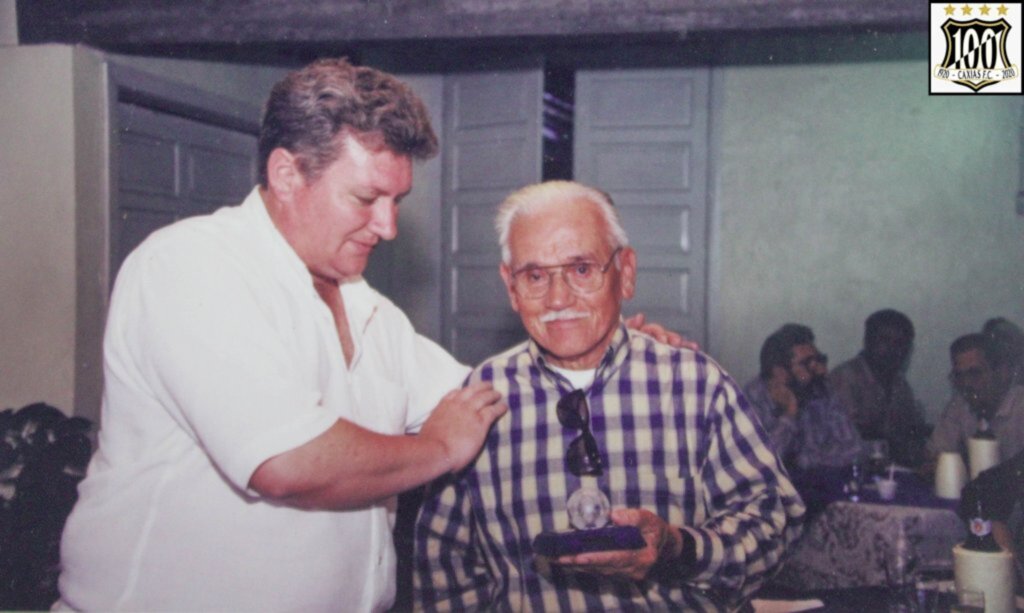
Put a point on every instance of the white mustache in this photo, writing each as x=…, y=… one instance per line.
x=559, y=315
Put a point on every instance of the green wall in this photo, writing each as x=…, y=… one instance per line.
x=842, y=188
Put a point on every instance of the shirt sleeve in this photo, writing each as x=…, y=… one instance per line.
x=753, y=511
x=947, y=433
x=196, y=341
x=914, y=407
x=450, y=572
x=781, y=429
x=830, y=438
x=844, y=386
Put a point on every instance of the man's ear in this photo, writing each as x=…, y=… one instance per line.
x=284, y=177
x=506, y=276
x=627, y=272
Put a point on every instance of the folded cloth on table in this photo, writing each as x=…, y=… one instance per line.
x=762, y=605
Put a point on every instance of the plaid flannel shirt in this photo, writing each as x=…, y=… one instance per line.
x=678, y=439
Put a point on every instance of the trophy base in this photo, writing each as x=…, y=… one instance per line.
x=555, y=544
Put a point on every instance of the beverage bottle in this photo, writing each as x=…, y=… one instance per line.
x=982, y=447
x=979, y=529
x=984, y=430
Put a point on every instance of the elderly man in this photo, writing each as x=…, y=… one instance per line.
x=874, y=389
x=806, y=422
x=674, y=449
x=258, y=391
x=985, y=397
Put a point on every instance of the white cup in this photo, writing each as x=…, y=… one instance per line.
x=988, y=572
x=886, y=488
x=982, y=454
x=950, y=475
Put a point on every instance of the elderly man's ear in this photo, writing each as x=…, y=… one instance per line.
x=506, y=276
x=627, y=266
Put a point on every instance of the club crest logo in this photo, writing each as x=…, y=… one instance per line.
x=975, y=47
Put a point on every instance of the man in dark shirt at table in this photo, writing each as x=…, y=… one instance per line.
x=1000, y=491
x=806, y=422
x=680, y=457
x=874, y=389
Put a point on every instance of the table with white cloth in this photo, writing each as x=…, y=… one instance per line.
x=870, y=542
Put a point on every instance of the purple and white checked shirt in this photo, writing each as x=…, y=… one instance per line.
x=678, y=439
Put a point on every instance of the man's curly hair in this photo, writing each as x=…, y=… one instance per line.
x=310, y=109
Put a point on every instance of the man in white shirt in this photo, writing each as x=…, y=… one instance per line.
x=986, y=398
x=258, y=390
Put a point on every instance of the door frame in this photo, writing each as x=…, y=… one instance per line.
x=133, y=86
x=95, y=225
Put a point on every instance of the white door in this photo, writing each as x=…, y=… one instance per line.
x=170, y=167
x=491, y=146
x=642, y=136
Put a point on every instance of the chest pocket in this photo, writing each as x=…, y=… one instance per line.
x=380, y=404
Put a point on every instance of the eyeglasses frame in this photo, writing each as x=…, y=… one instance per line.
x=562, y=267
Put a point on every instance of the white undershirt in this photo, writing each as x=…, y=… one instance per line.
x=580, y=379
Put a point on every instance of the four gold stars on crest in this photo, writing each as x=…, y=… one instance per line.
x=983, y=9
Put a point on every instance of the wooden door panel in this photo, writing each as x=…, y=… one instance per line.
x=135, y=226
x=492, y=145
x=170, y=167
x=642, y=136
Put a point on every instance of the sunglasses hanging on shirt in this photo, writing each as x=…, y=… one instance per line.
x=588, y=507
x=582, y=457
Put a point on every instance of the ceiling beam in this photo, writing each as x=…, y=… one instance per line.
x=133, y=23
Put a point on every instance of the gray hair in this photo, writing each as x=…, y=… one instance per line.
x=534, y=197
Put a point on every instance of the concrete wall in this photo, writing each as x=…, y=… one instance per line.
x=37, y=221
x=840, y=189
x=8, y=22
x=54, y=212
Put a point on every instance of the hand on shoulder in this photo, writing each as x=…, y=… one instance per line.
x=660, y=333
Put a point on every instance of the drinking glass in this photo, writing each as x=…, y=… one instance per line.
x=878, y=457
x=853, y=482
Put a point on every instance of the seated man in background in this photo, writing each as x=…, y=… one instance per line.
x=984, y=391
x=678, y=455
x=806, y=423
x=874, y=389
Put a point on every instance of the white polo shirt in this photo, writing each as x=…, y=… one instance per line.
x=219, y=355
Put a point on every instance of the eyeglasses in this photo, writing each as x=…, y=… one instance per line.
x=584, y=277
x=970, y=375
x=819, y=358
x=582, y=457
